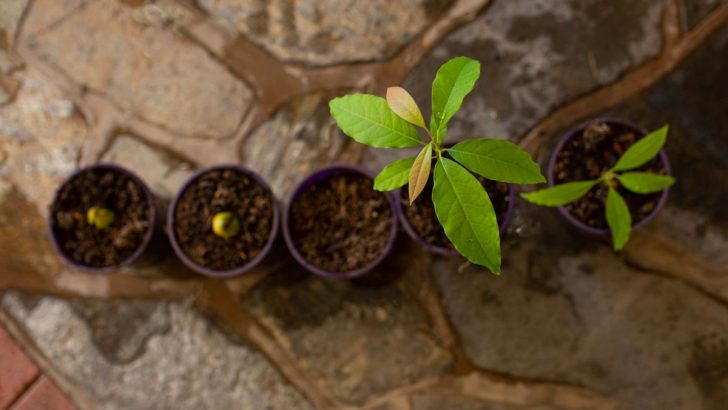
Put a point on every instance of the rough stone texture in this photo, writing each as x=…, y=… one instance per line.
x=11, y=11
x=298, y=139
x=317, y=32
x=163, y=173
x=40, y=138
x=361, y=338
x=695, y=10
x=434, y=401
x=47, y=13
x=147, y=68
x=120, y=330
x=536, y=55
x=590, y=320
x=191, y=366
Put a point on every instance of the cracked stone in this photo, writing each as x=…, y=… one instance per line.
x=298, y=139
x=572, y=313
x=327, y=32
x=41, y=135
x=360, y=338
x=160, y=170
x=536, y=55
x=11, y=11
x=46, y=13
x=191, y=366
x=694, y=11
x=144, y=65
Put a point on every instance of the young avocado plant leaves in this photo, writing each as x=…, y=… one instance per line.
x=464, y=209
x=618, y=219
x=642, y=150
x=394, y=175
x=560, y=194
x=453, y=81
x=420, y=172
x=368, y=119
x=402, y=103
x=645, y=182
x=498, y=160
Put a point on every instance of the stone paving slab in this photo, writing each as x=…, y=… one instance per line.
x=184, y=362
x=566, y=311
x=362, y=338
x=325, y=32
x=146, y=67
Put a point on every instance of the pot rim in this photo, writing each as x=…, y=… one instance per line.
x=576, y=131
x=240, y=269
x=151, y=201
x=306, y=182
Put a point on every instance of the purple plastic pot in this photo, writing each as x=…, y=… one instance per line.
x=448, y=251
x=251, y=263
x=147, y=236
x=311, y=179
x=578, y=132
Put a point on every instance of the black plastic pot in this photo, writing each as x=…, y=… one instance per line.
x=54, y=229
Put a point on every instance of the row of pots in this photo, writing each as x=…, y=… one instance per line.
x=276, y=218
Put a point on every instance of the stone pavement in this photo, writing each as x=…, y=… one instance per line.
x=169, y=86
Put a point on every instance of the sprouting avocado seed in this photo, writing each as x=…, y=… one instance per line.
x=225, y=225
x=100, y=217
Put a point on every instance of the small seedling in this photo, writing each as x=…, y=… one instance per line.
x=461, y=203
x=225, y=225
x=99, y=217
x=616, y=210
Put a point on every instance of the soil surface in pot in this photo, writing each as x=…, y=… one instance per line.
x=423, y=220
x=219, y=191
x=587, y=156
x=340, y=223
x=110, y=189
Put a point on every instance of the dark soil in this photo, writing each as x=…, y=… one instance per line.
x=588, y=156
x=421, y=215
x=84, y=243
x=340, y=223
x=219, y=191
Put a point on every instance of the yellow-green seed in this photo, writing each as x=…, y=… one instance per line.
x=100, y=217
x=225, y=225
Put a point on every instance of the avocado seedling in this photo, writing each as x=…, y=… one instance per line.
x=624, y=173
x=462, y=205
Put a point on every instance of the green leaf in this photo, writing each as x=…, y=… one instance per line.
x=645, y=182
x=394, y=175
x=420, y=172
x=560, y=194
x=402, y=103
x=464, y=209
x=498, y=160
x=454, y=80
x=618, y=219
x=368, y=119
x=642, y=150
